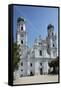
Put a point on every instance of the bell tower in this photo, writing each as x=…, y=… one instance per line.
x=21, y=32
x=51, y=41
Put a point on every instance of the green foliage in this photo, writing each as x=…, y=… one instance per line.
x=16, y=55
x=54, y=63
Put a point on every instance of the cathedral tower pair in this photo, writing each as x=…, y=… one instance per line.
x=51, y=37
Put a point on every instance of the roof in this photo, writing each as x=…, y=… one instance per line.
x=20, y=19
x=50, y=26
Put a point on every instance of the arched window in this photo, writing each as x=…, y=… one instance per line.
x=21, y=63
x=22, y=28
x=40, y=53
x=31, y=64
x=53, y=45
x=21, y=41
x=21, y=69
x=31, y=73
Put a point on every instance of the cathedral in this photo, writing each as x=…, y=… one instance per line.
x=35, y=60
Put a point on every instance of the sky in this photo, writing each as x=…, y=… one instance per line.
x=36, y=20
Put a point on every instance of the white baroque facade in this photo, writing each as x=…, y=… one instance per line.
x=34, y=61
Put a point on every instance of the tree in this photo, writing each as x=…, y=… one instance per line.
x=16, y=55
x=55, y=64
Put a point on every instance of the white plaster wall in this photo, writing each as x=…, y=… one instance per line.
x=24, y=67
x=18, y=38
x=16, y=74
x=22, y=25
x=31, y=68
x=28, y=70
x=24, y=39
x=37, y=72
x=37, y=53
x=45, y=54
x=45, y=67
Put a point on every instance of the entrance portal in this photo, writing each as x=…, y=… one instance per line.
x=41, y=71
